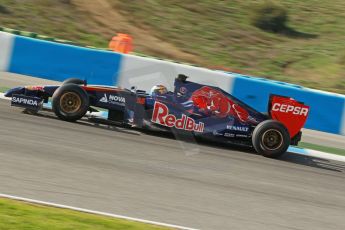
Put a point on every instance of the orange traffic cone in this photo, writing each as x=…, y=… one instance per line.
x=121, y=43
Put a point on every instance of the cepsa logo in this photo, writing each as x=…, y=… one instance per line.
x=161, y=116
x=296, y=110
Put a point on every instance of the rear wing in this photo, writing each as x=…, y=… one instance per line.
x=293, y=114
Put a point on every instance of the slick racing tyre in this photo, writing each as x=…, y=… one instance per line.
x=271, y=138
x=76, y=81
x=70, y=102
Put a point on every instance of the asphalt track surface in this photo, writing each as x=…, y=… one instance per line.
x=155, y=177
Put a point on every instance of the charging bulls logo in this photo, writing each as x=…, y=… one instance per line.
x=161, y=116
x=213, y=102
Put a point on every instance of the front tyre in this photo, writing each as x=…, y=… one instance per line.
x=76, y=81
x=271, y=138
x=70, y=102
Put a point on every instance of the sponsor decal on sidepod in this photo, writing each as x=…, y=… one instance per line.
x=161, y=116
x=113, y=99
x=238, y=128
x=229, y=135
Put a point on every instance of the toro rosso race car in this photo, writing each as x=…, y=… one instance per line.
x=192, y=108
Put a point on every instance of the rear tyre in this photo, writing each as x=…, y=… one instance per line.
x=70, y=102
x=76, y=81
x=271, y=139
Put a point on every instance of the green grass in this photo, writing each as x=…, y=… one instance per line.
x=52, y=18
x=15, y=215
x=3, y=89
x=322, y=148
x=219, y=32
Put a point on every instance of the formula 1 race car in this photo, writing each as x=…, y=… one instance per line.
x=192, y=108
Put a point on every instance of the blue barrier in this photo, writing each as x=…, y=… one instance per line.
x=58, y=62
x=326, y=109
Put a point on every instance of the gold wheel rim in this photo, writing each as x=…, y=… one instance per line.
x=272, y=139
x=70, y=102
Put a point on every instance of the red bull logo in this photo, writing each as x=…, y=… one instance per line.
x=161, y=116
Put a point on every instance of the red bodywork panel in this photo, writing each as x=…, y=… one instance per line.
x=291, y=113
x=100, y=88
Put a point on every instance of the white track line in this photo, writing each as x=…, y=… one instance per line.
x=94, y=212
x=342, y=131
x=3, y=97
x=328, y=156
x=317, y=154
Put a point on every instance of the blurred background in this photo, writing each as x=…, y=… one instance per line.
x=301, y=42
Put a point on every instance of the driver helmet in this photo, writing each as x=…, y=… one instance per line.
x=158, y=90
